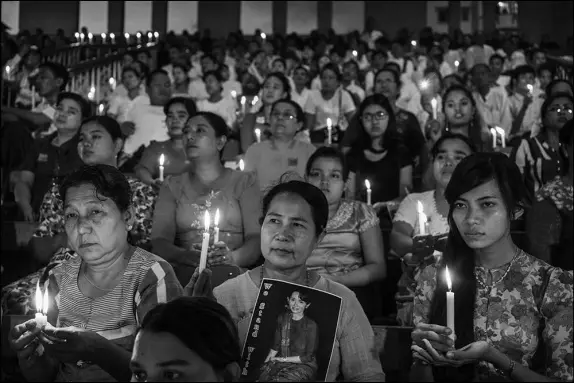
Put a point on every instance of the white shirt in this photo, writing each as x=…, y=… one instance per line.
x=531, y=122
x=355, y=89
x=323, y=109
x=231, y=85
x=409, y=98
x=300, y=98
x=120, y=105
x=495, y=108
x=149, y=121
x=197, y=90
x=225, y=108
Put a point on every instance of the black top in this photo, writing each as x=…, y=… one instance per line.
x=49, y=162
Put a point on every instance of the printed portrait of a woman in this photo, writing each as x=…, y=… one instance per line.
x=293, y=354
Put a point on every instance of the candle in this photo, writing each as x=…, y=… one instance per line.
x=368, y=186
x=82, y=38
x=77, y=36
x=204, y=244
x=216, y=229
x=101, y=110
x=493, y=132
x=530, y=88
x=254, y=101
x=149, y=37
x=233, y=95
x=258, y=134
x=103, y=38
x=263, y=36
x=355, y=54
x=127, y=36
x=112, y=82
x=422, y=218
x=92, y=93
x=449, y=304
x=241, y=165
x=329, y=131
x=90, y=37
x=434, y=106
x=243, y=104
x=502, y=135
x=156, y=35
x=113, y=37
x=456, y=64
x=8, y=71
x=161, y=162
x=413, y=43
x=139, y=37
x=33, y=96
x=41, y=307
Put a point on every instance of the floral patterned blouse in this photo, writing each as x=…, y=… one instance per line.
x=533, y=299
x=143, y=200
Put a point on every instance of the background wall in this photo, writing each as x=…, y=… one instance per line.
x=535, y=18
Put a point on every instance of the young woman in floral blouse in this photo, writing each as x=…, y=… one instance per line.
x=100, y=142
x=550, y=220
x=507, y=302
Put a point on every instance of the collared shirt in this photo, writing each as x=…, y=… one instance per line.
x=49, y=162
x=270, y=162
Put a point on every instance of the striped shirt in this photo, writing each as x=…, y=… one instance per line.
x=147, y=281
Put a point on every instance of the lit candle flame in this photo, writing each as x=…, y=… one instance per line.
x=38, y=298
x=90, y=35
x=241, y=165
x=8, y=70
x=161, y=159
x=103, y=36
x=243, y=100
x=216, y=219
x=368, y=184
x=424, y=84
x=45, y=303
x=206, y=221
x=434, y=103
x=149, y=35
x=447, y=277
x=112, y=81
x=113, y=36
x=258, y=132
x=530, y=88
x=101, y=109
x=255, y=100
x=456, y=63
x=156, y=34
x=127, y=36
x=355, y=53
x=233, y=94
x=329, y=123
x=263, y=35
x=82, y=36
x=77, y=35
x=413, y=43
x=138, y=35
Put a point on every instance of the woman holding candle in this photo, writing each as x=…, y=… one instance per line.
x=276, y=87
x=98, y=297
x=415, y=249
x=282, y=153
x=351, y=249
x=538, y=158
x=177, y=111
x=178, y=222
x=507, y=303
x=294, y=217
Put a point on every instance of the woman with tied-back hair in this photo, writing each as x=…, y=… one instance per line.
x=507, y=303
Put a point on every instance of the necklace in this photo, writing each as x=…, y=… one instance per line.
x=307, y=277
x=93, y=283
x=485, y=286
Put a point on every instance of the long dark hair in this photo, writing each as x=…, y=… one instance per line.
x=391, y=136
x=475, y=128
x=473, y=171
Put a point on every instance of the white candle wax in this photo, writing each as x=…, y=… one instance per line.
x=101, y=110
x=41, y=307
x=241, y=165
x=103, y=38
x=502, y=134
x=329, y=131
x=113, y=37
x=161, y=168
x=434, y=103
x=368, y=186
x=493, y=132
x=456, y=64
x=449, y=304
x=90, y=37
x=216, y=229
x=258, y=134
x=82, y=36
x=33, y=97
x=204, y=244
x=422, y=218
x=139, y=37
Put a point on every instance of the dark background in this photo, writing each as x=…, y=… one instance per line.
x=324, y=310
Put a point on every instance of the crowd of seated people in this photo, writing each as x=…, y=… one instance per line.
x=353, y=137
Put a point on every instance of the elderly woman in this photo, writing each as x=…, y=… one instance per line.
x=100, y=141
x=97, y=299
x=178, y=221
x=295, y=215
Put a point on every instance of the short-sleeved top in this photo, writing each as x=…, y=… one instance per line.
x=143, y=200
x=383, y=175
x=495, y=108
x=225, y=108
x=270, y=162
x=176, y=161
x=533, y=296
x=180, y=209
x=340, y=251
x=149, y=121
x=49, y=162
x=336, y=108
x=147, y=281
x=353, y=358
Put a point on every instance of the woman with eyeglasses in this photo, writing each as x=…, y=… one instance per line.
x=282, y=153
x=538, y=158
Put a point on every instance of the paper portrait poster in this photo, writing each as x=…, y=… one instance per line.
x=291, y=333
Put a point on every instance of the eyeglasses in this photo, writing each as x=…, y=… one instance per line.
x=560, y=109
x=284, y=116
x=375, y=117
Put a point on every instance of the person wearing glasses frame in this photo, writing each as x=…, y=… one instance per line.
x=283, y=152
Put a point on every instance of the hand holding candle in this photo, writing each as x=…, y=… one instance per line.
x=161, y=168
x=204, y=244
x=216, y=228
x=368, y=186
x=449, y=304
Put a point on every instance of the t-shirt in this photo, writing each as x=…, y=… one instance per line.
x=175, y=160
x=495, y=108
x=149, y=121
x=300, y=98
x=336, y=108
x=47, y=161
x=197, y=90
x=225, y=108
x=270, y=162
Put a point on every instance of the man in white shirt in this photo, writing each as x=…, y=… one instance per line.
x=350, y=79
x=491, y=100
x=146, y=122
